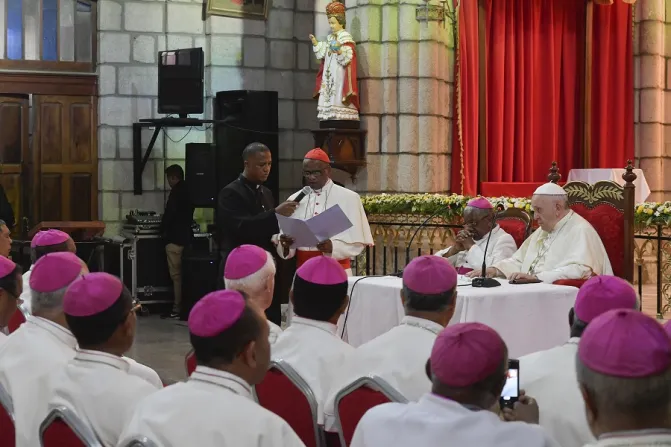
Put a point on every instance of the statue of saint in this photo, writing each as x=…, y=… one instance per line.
x=336, y=88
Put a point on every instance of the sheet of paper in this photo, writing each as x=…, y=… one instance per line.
x=331, y=222
x=309, y=233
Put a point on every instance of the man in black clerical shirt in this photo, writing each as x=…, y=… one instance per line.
x=246, y=213
x=176, y=229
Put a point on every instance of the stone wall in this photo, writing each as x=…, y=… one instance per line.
x=652, y=90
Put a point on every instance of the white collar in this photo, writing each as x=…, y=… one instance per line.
x=223, y=379
x=563, y=221
x=103, y=358
x=657, y=437
x=483, y=239
x=59, y=332
x=321, y=325
x=422, y=323
x=327, y=186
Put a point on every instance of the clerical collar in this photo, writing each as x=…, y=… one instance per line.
x=56, y=330
x=614, y=436
x=422, y=323
x=326, y=186
x=248, y=182
x=563, y=221
x=103, y=358
x=222, y=379
x=321, y=325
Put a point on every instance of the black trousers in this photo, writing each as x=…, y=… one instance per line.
x=280, y=293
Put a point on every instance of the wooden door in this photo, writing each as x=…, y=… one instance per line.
x=65, y=158
x=14, y=143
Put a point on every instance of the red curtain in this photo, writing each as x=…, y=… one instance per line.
x=612, y=139
x=535, y=59
x=464, y=175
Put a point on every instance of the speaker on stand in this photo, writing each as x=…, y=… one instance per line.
x=201, y=174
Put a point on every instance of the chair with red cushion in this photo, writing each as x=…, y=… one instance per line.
x=352, y=402
x=18, y=318
x=190, y=362
x=285, y=393
x=609, y=207
x=7, y=433
x=516, y=222
x=63, y=428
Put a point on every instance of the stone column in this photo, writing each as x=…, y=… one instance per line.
x=406, y=80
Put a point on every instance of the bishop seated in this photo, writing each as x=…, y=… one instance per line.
x=565, y=246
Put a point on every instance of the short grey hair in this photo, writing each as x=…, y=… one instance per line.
x=47, y=302
x=618, y=395
x=255, y=282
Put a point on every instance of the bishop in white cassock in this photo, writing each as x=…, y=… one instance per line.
x=215, y=406
x=399, y=356
x=97, y=384
x=469, y=365
x=45, y=241
x=251, y=270
x=324, y=195
x=565, y=246
x=311, y=345
x=550, y=375
x=11, y=285
x=468, y=252
x=624, y=370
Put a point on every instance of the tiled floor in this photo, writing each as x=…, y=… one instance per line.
x=162, y=344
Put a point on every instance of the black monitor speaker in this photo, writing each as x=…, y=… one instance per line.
x=201, y=174
x=249, y=116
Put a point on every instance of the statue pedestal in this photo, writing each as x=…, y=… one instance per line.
x=345, y=146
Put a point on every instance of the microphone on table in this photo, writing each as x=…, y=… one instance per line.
x=407, y=250
x=483, y=281
x=304, y=192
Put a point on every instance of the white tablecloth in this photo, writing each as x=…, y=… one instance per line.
x=529, y=317
x=592, y=176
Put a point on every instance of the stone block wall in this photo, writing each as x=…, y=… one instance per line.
x=652, y=94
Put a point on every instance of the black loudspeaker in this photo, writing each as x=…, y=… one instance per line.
x=201, y=174
x=199, y=277
x=248, y=116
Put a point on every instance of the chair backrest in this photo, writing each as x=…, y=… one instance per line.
x=609, y=207
x=285, y=393
x=190, y=362
x=352, y=402
x=63, y=428
x=17, y=319
x=516, y=222
x=140, y=441
x=7, y=432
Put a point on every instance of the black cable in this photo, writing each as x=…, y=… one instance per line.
x=351, y=295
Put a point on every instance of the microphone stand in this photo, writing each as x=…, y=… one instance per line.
x=483, y=281
x=407, y=250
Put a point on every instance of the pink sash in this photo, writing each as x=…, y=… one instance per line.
x=463, y=270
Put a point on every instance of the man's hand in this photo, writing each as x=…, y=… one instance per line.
x=326, y=246
x=524, y=276
x=526, y=410
x=465, y=238
x=492, y=272
x=286, y=242
x=287, y=208
x=313, y=39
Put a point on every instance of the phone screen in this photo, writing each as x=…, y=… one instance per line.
x=511, y=390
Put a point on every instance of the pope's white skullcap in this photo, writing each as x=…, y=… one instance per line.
x=550, y=189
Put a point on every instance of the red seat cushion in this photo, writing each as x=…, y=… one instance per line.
x=17, y=320
x=278, y=394
x=7, y=433
x=191, y=362
x=353, y=406
x=59, y=434
x=514, y=227
x=609, y=225
x=570, y=282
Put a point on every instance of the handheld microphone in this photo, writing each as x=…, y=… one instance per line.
x=304, y=192
x=483, y=281
x=407, y=250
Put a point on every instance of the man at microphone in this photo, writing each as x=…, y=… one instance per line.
x=246, y=215
x=320, y=194
x=468, y=251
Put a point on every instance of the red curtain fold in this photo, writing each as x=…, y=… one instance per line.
x=612, y=125
x=464, y=169
x=535, y=59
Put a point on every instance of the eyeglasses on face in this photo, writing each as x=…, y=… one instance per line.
x=317, y=173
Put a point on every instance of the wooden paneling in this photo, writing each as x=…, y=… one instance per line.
x=14, y=119
x=48, y=84
x=65, y=153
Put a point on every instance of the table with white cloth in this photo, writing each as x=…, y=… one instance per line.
x=529, y=317
x=592, y=176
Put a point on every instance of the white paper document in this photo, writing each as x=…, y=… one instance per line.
x=309, y=233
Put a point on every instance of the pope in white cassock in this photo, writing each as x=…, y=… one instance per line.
x=325, y=194
x=550, y=375
x=468, y=252
x=216, y=407
x=565, y=246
